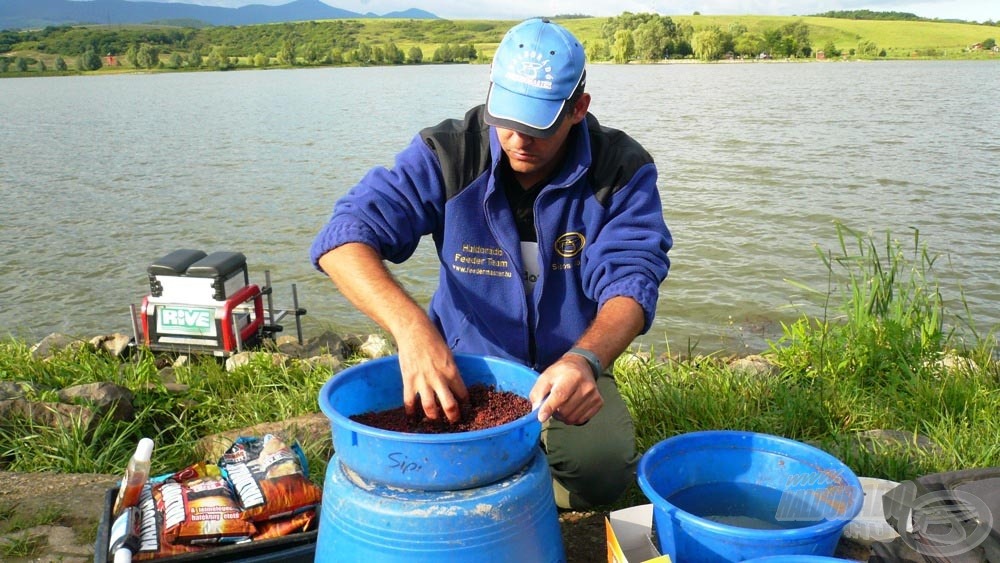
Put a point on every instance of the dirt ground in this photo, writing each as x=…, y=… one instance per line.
x=74, y=504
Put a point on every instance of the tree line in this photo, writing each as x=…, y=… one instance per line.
x=883, y=16
x=651, y=37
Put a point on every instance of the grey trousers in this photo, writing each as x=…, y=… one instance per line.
x=594, y=463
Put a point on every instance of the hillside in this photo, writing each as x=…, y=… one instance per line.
x=377, y=41
x=901, y=37
x=24, y=14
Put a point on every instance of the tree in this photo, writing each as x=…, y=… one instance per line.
x=415, y=55
x=194, y=59
x=260, y=60
x=831, y=50
x=989, y=44
x=749, y=45
x=709, y=44
x=147, y=56
x=597, y=50
x=60, y=64
x=624, y=46
x=650, y=40
x=89, y=60
x=867, y=48
x=4, y=64
x=393, y=54
x=132, y=56
x=444, y=54
x=286, y=55
x=364, y=53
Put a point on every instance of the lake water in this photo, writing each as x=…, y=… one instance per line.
x=99, y=176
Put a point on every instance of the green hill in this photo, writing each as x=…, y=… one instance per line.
x=397, y=41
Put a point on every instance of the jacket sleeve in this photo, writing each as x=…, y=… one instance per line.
x=390, y=209
x=629, y=256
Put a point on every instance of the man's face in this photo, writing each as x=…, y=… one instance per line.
x=533, y=159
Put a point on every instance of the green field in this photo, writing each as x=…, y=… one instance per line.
x=901, y=39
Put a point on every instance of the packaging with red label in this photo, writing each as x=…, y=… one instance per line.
x=200, y=511
x=269, y=478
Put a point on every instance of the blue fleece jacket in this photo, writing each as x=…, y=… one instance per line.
x=599, y=224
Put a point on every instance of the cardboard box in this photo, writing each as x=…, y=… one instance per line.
x=630, y=538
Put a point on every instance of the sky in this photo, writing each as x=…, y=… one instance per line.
x=970, y=10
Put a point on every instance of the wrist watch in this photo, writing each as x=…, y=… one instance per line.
x=592, y=359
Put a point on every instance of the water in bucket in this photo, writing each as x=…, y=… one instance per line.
x=745, y=505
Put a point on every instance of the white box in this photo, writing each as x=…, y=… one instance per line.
x=629, y=536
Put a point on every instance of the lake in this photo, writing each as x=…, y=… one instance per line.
x=101, y=175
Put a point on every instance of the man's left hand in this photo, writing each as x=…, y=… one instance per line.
x=567, y=391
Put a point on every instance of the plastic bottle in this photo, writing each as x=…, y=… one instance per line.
x=124, y=536
x=136, y=474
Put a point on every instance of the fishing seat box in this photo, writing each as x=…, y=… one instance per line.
x=293, y=548
x=193, y=277
x=200, y=301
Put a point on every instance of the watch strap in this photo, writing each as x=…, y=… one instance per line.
x=592, y=359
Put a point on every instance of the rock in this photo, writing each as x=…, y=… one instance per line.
x=898, y=439
x=326, y=343
x=952, y=363
x=633, y=360
x=109, y=399
x=241, y=359
x=115, y=344
x=17, y=390
x=376, y=347
x=237, y=360
x=327, y=362
x=52, y=415
x=53, y=344
x=308, y=429
x=754, y=366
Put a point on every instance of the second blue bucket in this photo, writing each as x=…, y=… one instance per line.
x=726, y=496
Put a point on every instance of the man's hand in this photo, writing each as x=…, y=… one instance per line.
x=425, y=360
x=567, y=391
x=429, y=371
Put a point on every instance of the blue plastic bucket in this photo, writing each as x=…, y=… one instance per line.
x=730, y=496
x=432, y=462
x=514, y=519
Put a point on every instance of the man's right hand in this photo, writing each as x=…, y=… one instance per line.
x=429, y=371
x=425, y=360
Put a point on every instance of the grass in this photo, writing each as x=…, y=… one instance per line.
x=27, y=545
x=884, y=354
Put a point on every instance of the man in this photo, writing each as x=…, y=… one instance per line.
x=552, y=245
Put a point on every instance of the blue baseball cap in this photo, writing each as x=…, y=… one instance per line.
x=537, y=67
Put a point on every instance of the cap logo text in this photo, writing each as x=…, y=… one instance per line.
x=530, y=68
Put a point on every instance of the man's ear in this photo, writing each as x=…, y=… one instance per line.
x=581, y=108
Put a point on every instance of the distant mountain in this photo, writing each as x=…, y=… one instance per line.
x=21, y=14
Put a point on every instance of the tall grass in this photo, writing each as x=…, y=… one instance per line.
x=881, y=357
x=214, y=401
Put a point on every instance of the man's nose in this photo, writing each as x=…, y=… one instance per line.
x=521, y=139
